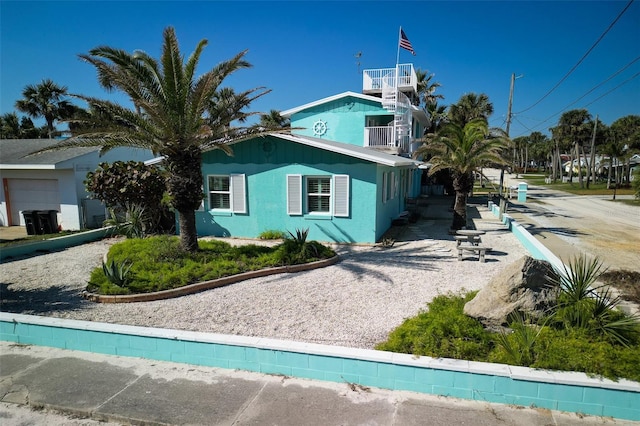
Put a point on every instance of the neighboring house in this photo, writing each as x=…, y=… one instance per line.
x=53, y=181
x=344, y=172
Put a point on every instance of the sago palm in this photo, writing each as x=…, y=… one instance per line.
x=177, y=115
x=464, y=150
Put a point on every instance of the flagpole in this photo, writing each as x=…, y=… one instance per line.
x=399, y=36
x=395, y=107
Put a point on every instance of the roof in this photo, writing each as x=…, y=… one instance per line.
x=349, y=150
x=14, y=153
x=417, y=112
x=292, y=111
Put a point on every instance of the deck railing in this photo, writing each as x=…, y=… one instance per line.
x=372, y=79
x=379, y=136
x=383, y=136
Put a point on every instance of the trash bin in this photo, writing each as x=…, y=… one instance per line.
x=522, y=192
x=48, y=221
x=31, y=222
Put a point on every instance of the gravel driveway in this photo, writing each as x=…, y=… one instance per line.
x=355, y=302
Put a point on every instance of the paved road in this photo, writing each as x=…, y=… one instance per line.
x=593, y=225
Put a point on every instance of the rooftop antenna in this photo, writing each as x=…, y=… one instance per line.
x=358, y=56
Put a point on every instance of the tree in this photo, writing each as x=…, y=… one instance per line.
x=173, y=117
x=9, y=126
x=46, y=100
x=123, y=184
x=574, y=128
x=469, y=107
x=273, y=120
x=626, y=133
x=427, y=88
x=464, y=150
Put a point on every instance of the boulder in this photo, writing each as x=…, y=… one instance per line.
x=522, y=286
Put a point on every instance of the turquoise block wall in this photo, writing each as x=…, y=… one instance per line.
x=345, y=119
x=266, y=162
x=597, y=399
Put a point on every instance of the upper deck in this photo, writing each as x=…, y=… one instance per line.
x=373, y=80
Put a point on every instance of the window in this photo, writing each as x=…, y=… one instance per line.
x=318, y=194
x=219, y=192
x=328, y=195
x=227, y=192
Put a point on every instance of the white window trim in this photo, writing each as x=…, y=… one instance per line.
x=330, y=195
x=297, y=195
x=237, y=193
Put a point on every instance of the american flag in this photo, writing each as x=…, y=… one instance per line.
x=405, y=43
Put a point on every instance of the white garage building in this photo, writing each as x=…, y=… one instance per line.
x=53, y=181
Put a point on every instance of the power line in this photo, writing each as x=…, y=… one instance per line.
x=590, y=91
x=621, y=84
x=581, y=59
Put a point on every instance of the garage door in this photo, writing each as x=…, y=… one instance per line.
x=32, y=194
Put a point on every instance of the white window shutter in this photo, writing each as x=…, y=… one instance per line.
x=294, y=194
x=238, y=194
x=341, y=195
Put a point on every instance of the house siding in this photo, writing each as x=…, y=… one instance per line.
x=266, y=162
x=345, y=119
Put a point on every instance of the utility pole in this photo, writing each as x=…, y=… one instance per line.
x=503, y=201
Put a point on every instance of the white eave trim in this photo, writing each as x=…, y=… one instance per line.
x=292, y=111
x=28, y=167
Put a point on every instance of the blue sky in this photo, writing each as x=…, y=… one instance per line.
x=305, y=50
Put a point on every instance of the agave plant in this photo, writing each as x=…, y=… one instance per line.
x=117, y=273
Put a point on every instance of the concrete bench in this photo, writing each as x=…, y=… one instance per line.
x=471, y=239
x=476, y=249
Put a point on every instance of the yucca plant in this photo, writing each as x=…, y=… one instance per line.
x=583, y=303
x=301, y=235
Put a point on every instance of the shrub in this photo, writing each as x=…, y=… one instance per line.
x=271, y=234
x=442, y=331
x=583, y=303
x=158, y=263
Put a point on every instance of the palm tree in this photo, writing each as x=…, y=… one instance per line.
x=427, y=88
x=9, y=126
x=574, y=128
x=626, y=131
x=45, y=100
x=273, y=120
x=464, y=150
x=177, y=115
x=469, y=107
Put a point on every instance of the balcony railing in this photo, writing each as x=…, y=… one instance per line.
x=383, y=137
x=372, y=79
x=379, y=136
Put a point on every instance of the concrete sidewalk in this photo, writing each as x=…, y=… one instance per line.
x=123, y=390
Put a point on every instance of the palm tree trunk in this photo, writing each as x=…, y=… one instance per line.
x=610, y=172
x=185, y=188
x=462, y=184
x=579, y=166
x=188, y=232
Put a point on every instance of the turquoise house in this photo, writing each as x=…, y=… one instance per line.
x=345, y=174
